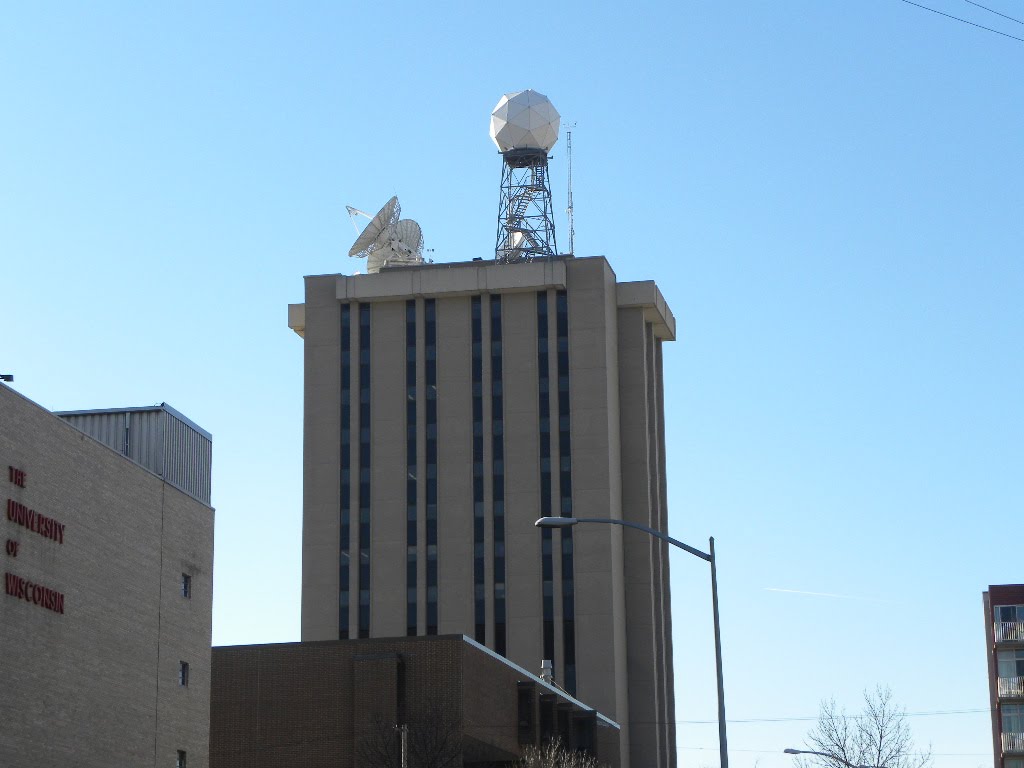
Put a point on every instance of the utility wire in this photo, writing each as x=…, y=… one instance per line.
x=997, y=13
x=777, y=751
x=799, y=719
x=965, y=21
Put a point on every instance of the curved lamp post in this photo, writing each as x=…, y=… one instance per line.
x=791, y=751
x=567, y=522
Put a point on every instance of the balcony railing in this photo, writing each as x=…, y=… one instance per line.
x=1010, y=687
x=1013, y=742
x=1009, y=631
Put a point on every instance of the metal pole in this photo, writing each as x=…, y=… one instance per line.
x=403, y=731
x=723, y=746
x=565, y=522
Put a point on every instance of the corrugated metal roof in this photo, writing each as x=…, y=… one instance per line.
x=158, y=438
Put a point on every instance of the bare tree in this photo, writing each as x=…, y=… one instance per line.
x=879, y=737
x=432, y=740
x=435, y=740
x=554, y=754
x=379, y=745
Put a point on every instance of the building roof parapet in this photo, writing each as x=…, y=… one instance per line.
x=645, y=294
x=461, y=278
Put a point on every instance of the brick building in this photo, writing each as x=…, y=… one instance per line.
x=1004, y=641
x=105, y=618
x=348, y=704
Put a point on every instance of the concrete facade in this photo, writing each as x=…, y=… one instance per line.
x=449, y=406
x=336, y=704
x=93, y=622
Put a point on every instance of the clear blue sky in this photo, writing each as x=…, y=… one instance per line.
x=828, y=193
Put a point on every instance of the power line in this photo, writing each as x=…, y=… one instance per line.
x=997, y=13
x=779, y=751
x=854, y=717
x=965, y=21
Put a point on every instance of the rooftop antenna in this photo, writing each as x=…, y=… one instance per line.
x=388, y=240
x=352, y=213
x=524, y=126
x=568, y=210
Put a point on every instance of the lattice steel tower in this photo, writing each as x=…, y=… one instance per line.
x=524, y=125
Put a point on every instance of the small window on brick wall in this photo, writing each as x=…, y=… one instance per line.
x=182, y=759
x=183, y=674
x=186, y=585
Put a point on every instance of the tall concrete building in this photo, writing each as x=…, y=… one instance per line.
x=449, y=406
x=105, y=616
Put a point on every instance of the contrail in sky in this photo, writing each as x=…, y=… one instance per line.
x=826, y=594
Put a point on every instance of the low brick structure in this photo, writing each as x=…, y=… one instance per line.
x=346, y=703
x=105, y=610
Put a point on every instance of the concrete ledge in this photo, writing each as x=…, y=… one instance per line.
x=645, y=294
x=464, y=278
x=297, y=319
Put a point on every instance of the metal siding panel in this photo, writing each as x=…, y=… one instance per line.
x=146, y=428
x=187, y=458
x=108, y=428
x=158, y=440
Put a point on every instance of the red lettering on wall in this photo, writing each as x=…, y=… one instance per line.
x=29, y=518
x=12, y=548
x=16, y=476
x=37, y=594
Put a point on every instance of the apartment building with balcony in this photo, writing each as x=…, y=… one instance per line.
x=1004, y=635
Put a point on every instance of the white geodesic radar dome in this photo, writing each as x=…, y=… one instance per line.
x=524, y=120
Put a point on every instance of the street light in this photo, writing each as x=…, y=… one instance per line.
x=567, y=522
x=791, y=751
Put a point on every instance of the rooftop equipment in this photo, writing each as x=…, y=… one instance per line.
x=388, y=240
x=158, y=438
x=524, y=126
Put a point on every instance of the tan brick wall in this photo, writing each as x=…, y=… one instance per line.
x=617, y=470
x=98, y=685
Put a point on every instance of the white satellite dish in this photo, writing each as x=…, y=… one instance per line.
x=387, y=239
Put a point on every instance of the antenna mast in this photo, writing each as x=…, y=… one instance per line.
x=568, y=210
x=524, y=126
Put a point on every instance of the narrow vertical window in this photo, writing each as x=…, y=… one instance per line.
x=430, y=382
x=498, y=474
x=182, y=761
x=364, y=470
x=345, y=513
x=186, y=585
x=410, y=466
x=479, y=583
x=183, y=674
x=565, y=491
x=546, y=534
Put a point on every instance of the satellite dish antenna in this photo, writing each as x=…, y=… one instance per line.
x=387, y=239
x=352, y=213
